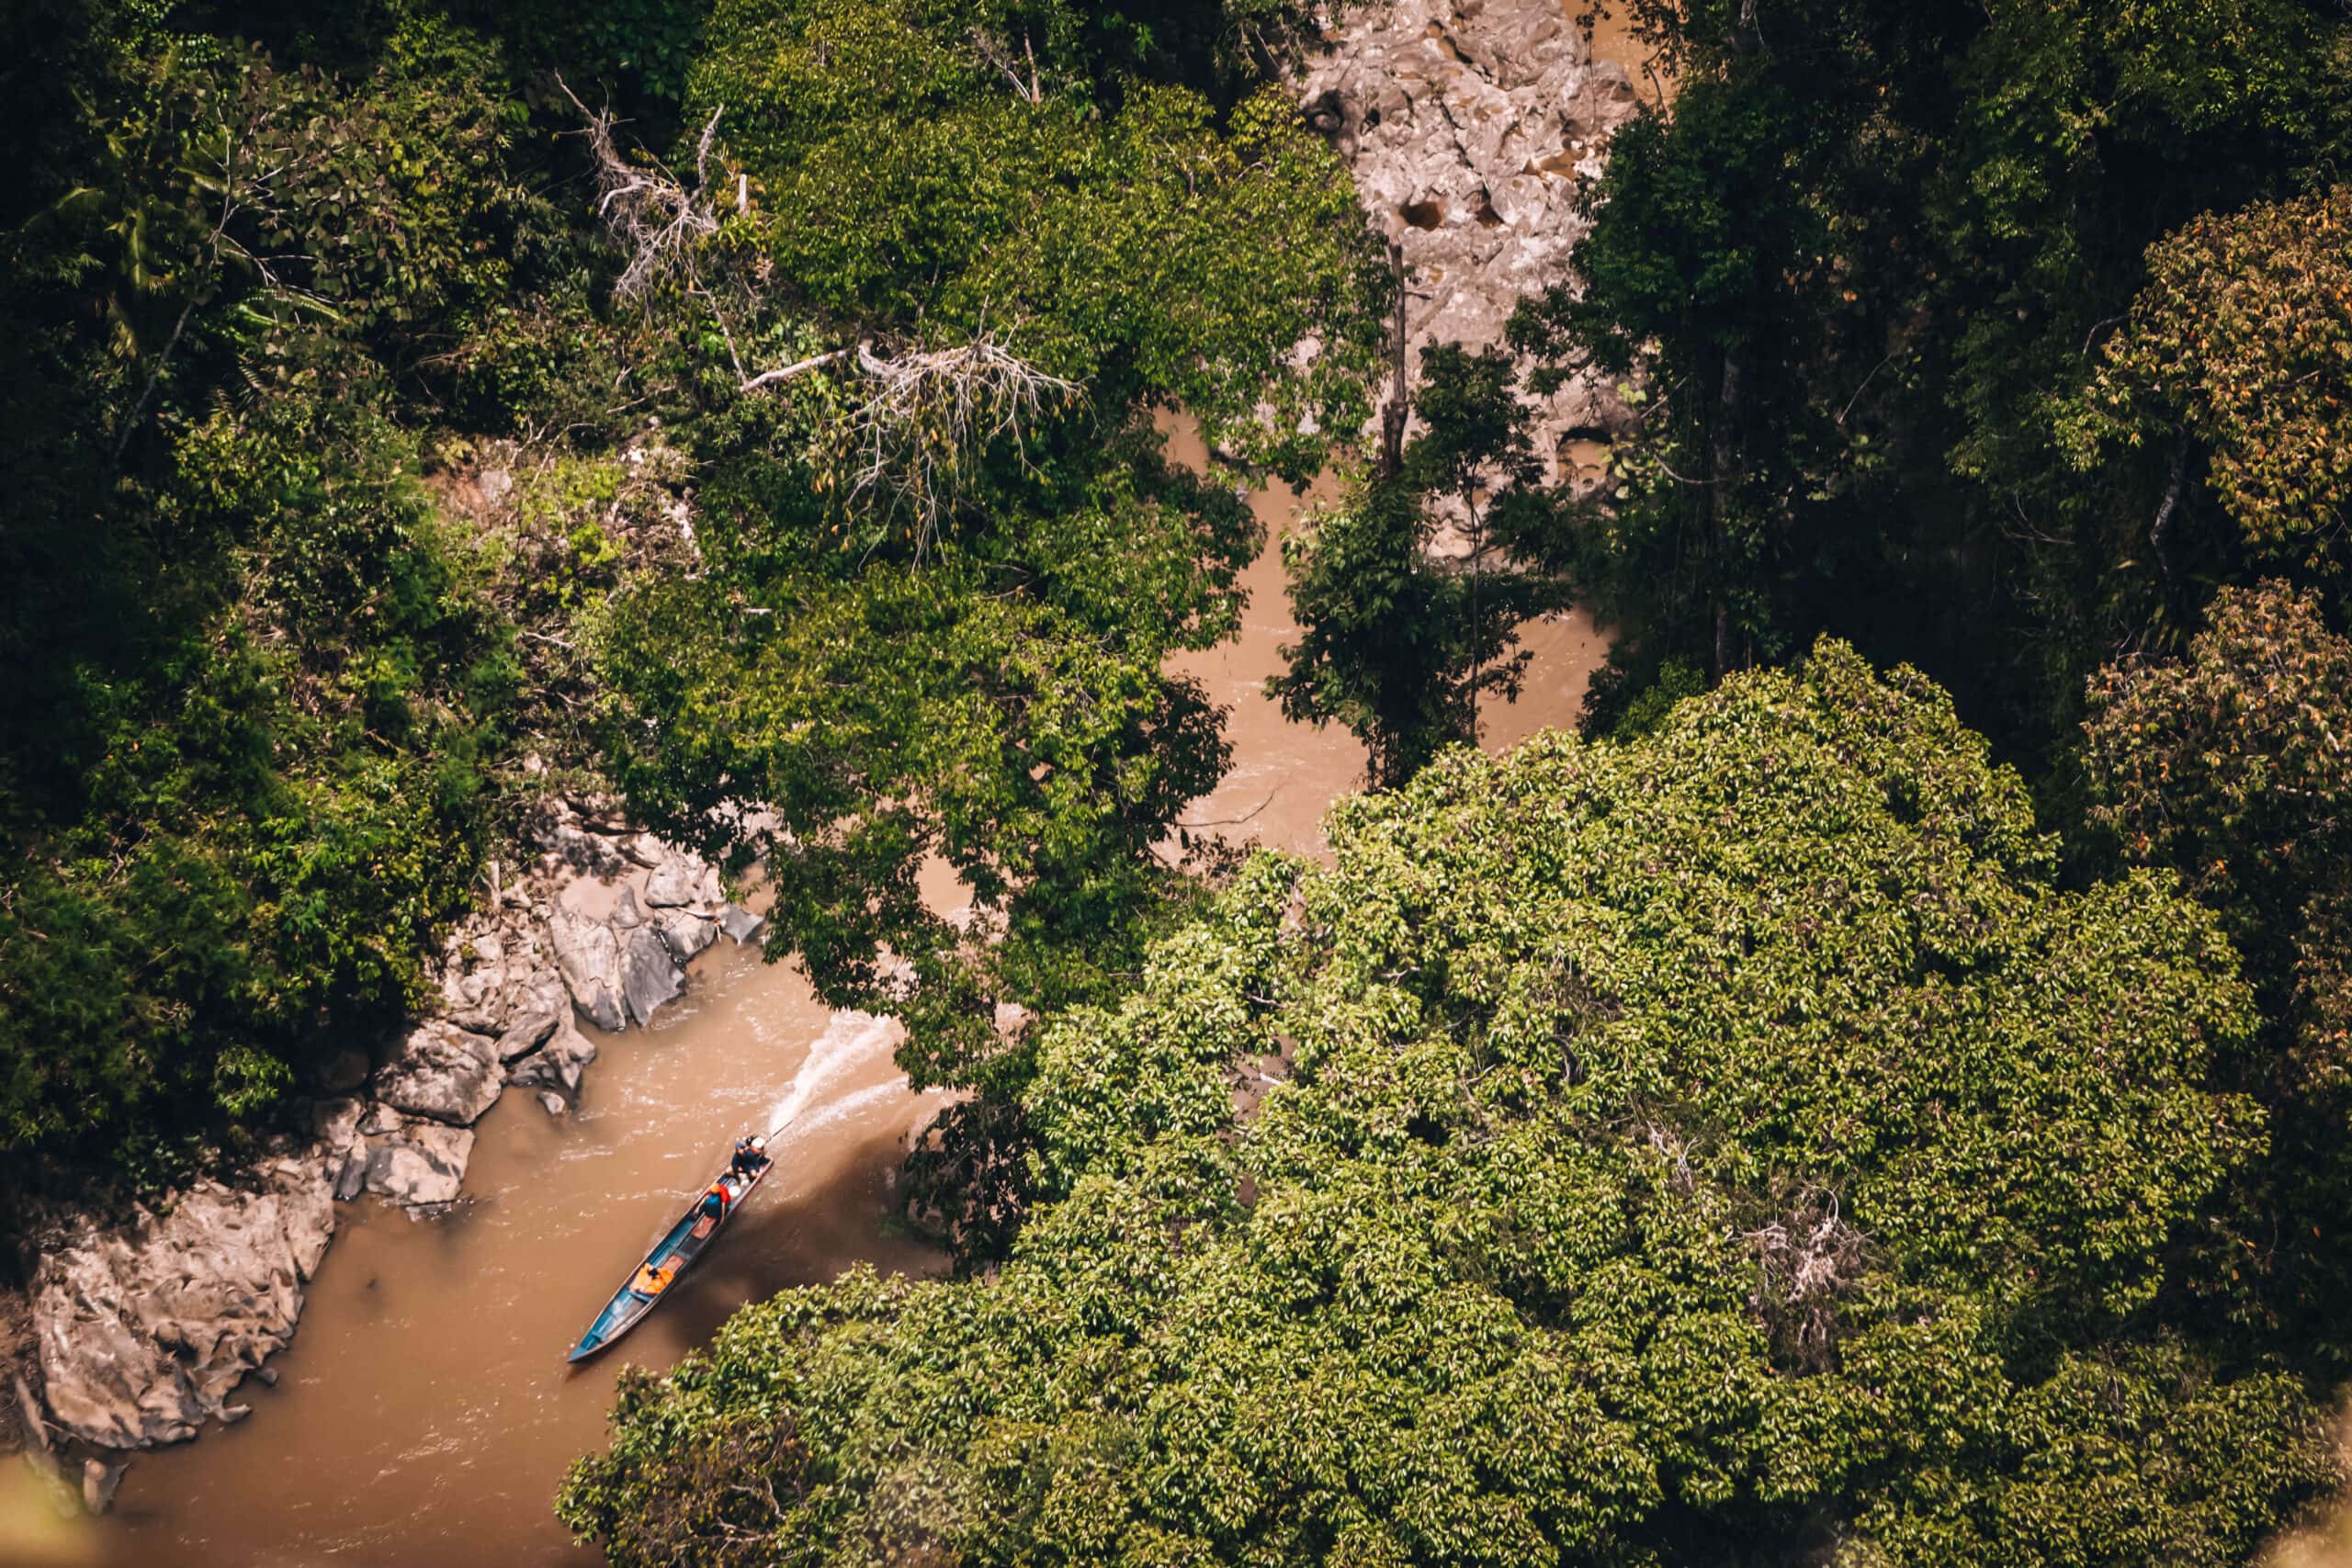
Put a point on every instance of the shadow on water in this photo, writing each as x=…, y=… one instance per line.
x=775, y=1247
x=425, y=1412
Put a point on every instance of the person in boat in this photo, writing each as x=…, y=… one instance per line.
x=750, y=1157
x=714, y=1203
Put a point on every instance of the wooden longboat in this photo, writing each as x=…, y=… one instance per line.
x=655, y=1279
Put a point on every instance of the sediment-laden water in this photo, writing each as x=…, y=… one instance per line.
x=425, y=1413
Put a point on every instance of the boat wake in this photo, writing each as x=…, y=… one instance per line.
x=853, y=1046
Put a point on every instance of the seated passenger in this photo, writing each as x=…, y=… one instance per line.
x=750, y=1157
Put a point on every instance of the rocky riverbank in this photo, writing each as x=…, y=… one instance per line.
x=1469, y=127
x=143, y=1332
x=1467, y=123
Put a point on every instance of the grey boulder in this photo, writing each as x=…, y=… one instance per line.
x=443, y=1072
x=527, y=1032
x=676, y=881
x=685, y=932
x=559, y=1064
x=421, y=1165
x=142, y=1329
x=588, y=955
x=741, y=924
x=650, y=977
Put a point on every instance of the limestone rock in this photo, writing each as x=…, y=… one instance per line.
x=552, y=1102
x=588, y=955
x=685, y=932
x=675, y=881
x=335, y=1123
x=741, y=924
x=306, y=1210
x=352, y=1179
x=1468, y=125
x=584, y=851
x=527, y=1032
x=559, y=1064
x=423, y=1164
x=650, y=977
x=627, y=915
x=443, y=1072
x=142, y=1329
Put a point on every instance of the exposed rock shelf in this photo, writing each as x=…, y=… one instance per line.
x=144, y=1330
x=1468, y=125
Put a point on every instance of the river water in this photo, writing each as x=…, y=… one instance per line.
x=425, y=1413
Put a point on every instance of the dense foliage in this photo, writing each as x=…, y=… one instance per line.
x=966, y=665
x=1394, y=643
x=1734, y=1142
x=348, y=495
x=2230, y=765
x=1754, y=1137
x=1987, y=334
x=258, y=682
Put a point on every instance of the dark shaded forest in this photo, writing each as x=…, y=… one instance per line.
x=1878, y=1095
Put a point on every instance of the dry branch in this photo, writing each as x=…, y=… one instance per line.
x=649, y=211
x=923, y=418
x=928, y=415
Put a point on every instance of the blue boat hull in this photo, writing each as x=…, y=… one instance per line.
x=678, y=1250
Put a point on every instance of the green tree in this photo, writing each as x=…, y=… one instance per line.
x=2239, y=353
x=262, y=689
x=944, y=559
x=2231, y=767
x=1856, y=280
x=1734, y=1141
x=1394, y=644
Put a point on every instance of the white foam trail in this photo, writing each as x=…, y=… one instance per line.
x=850, y=1042
x=889, y=1091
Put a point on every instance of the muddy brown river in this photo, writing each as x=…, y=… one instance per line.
x=425, y=1413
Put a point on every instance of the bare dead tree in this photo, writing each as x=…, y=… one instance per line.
x=1809, y=1259
x=993, y=50
x=929, y=416
x=656, y=218
x=921, y=418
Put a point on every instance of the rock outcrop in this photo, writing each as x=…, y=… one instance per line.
x=420, y=1163
x=650, y=977
x=144, y=1329
x=443, y=1072
x=1468, y=125
x=589, y=953
x=559, y=1064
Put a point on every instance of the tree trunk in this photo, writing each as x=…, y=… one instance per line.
x=1723, y=468
x=1399, y=408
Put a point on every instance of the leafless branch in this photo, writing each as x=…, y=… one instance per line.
x=929, y=413
x=649, y=211
x=1030, y=88
x=1809, y=1259
x=923, y=416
